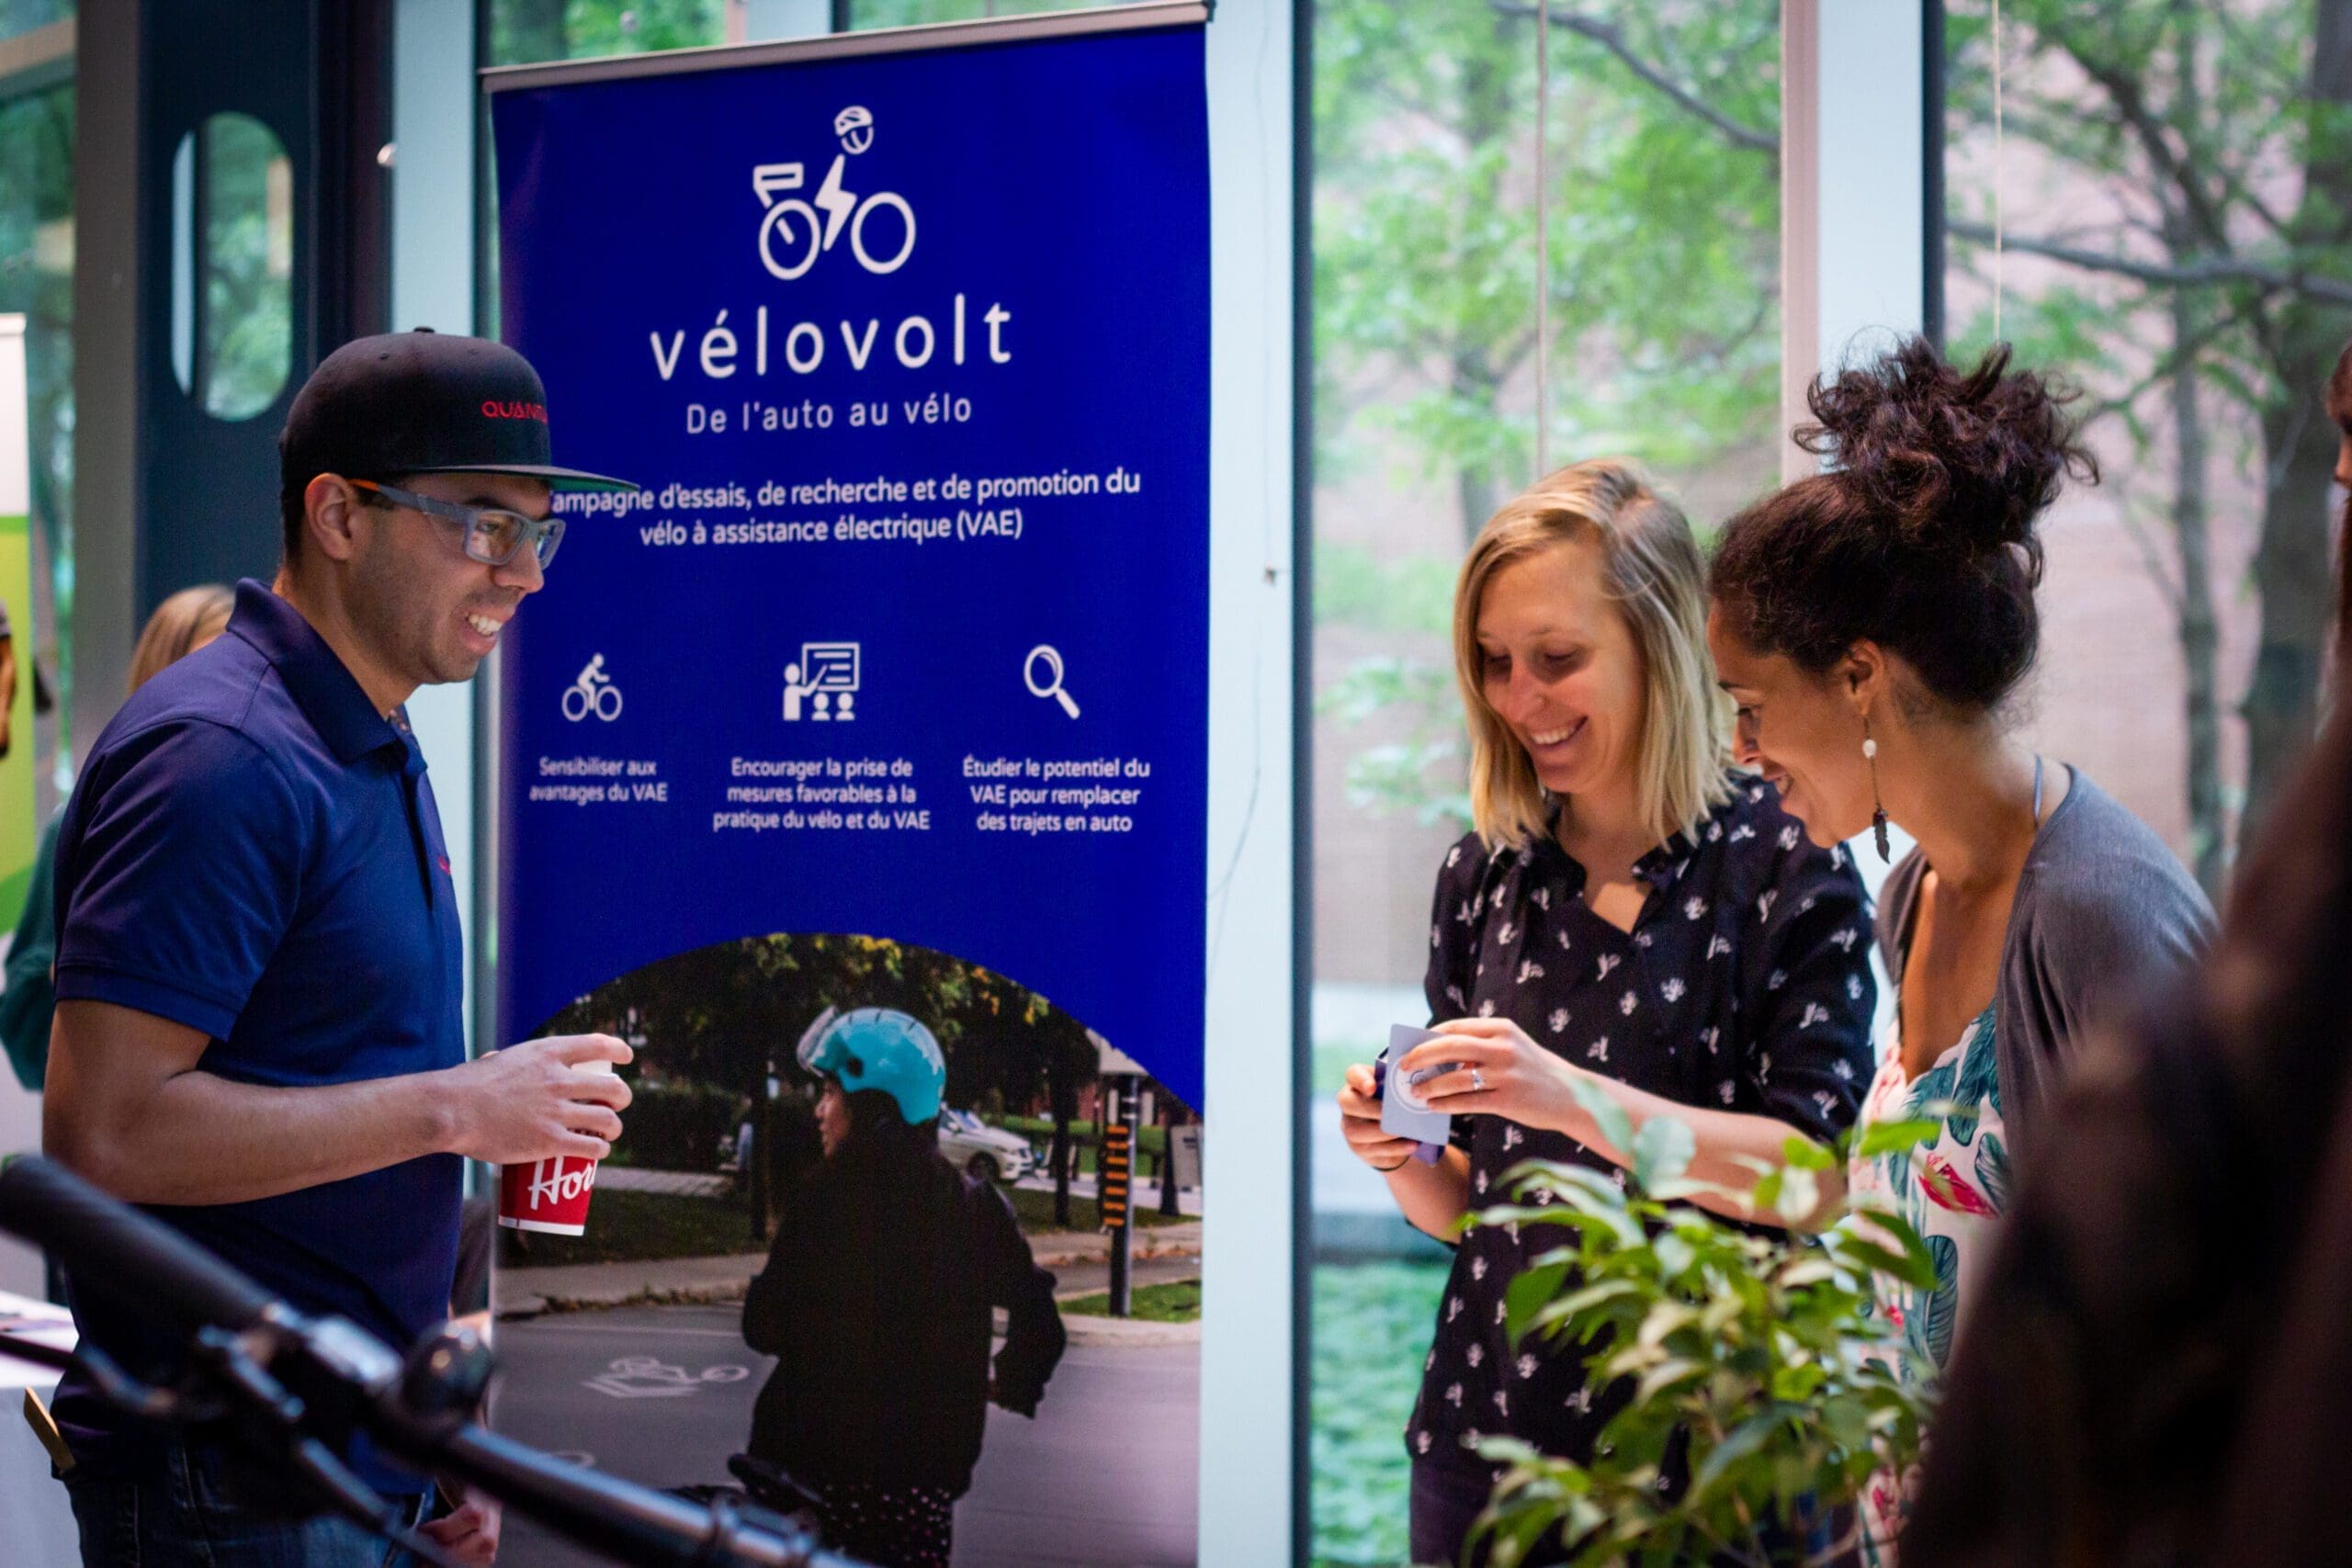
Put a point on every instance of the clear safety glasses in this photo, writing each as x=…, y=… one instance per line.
x=491, y=535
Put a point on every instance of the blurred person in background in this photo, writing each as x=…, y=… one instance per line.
x=1628, y=915
x=181, y=624
x=7, y=678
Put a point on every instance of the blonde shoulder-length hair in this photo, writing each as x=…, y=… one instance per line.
x=188, y=618
x=1652, y=572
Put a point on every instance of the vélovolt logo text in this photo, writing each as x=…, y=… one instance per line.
x=876, y=229
x=795, y=233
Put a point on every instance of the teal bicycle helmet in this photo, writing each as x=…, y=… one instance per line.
x=879, y=1048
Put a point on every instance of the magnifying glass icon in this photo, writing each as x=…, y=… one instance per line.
x=1052, y=685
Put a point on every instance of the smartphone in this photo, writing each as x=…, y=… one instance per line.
x=1403, y=1112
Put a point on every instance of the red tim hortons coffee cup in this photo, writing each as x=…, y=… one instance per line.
x=549, y=1195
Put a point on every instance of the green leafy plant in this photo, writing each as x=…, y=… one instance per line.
x=1758, y=1362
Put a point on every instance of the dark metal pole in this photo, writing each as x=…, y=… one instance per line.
x=1931, y=171
x=1171, y=1203
x=1062, y=1151
x=1122, y=1246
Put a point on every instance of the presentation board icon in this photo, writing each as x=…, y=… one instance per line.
x=822, y=684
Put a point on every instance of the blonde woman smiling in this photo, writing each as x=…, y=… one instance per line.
x=1628, y=914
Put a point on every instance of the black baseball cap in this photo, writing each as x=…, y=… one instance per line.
x=423, y=402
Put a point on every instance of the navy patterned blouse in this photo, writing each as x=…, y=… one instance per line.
x=1745, y=985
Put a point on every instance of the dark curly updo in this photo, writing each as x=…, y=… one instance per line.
x=1922, y=539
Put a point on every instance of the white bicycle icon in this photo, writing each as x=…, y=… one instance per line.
x=592, y=692
x=648, y=1377
x=652, y=1369
x=792, y=236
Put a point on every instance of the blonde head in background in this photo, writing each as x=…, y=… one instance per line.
x=181, y=624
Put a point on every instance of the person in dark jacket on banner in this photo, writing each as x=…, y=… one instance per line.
x=878, y=1297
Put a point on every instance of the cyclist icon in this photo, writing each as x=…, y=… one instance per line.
x=648, y=1377
x=593, y=691
x=792, y=236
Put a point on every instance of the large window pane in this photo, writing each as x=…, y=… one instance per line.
x=910, y=13
x=232, y=248
x=1663, y=225
x=528, y=32
x=533, y=32
x=2174, y=208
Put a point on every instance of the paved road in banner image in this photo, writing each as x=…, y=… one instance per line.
x=692, y=1184
x=1104, y=1478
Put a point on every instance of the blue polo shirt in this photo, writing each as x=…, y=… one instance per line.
x=252, y=851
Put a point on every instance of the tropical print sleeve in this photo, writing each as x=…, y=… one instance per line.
x=1951, y=1188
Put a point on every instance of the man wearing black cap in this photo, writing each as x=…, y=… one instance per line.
x=258, y=962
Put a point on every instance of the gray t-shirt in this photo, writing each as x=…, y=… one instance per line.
x=2104, y=913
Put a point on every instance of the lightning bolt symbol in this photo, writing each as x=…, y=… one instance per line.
x=834, y=202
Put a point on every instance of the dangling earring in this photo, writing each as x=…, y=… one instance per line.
x=1878, y=806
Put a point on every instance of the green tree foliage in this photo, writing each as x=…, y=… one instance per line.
x=525, y=32
x=1663, y=229
x=865, y=13
x=247, y=259
x=2219, y=140
x=731, y=1014
x=1663, y=301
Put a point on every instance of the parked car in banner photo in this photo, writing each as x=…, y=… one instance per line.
x=977, y=1149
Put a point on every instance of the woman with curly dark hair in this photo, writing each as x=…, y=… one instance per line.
x=2155, y=1372
x=1873, y=623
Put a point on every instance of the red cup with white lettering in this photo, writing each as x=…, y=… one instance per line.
x=549, y=1195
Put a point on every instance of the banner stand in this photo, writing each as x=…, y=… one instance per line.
x=1143, y=15
x=673, y=261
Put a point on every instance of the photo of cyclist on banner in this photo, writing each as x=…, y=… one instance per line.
x=878, y=1299
x=872, y=1199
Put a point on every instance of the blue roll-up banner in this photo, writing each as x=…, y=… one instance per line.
x=887, y=689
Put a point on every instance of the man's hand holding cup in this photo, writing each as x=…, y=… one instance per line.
x=545, y=1112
